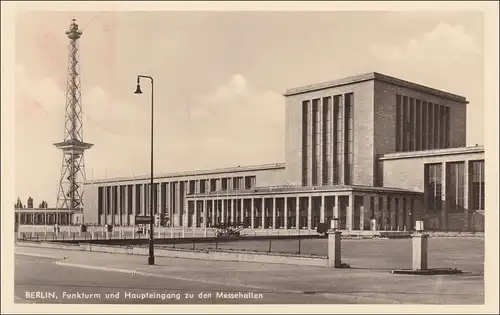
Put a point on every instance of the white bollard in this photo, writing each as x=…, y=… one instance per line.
x=334, y=248
x=334, y=245
x=419, y=244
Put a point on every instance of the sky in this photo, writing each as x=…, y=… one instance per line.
x=218, y=81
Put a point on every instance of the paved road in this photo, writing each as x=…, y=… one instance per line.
x=61, y=271
x=67, y=284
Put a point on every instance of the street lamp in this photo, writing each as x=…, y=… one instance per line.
x=151, y=259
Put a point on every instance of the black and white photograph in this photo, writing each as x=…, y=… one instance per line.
x=184, y=156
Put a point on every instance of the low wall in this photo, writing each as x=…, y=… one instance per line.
x=220, y=255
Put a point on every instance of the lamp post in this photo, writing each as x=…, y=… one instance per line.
x=151, y=259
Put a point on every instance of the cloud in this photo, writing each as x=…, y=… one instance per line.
x=444, y=44
x=236, y=124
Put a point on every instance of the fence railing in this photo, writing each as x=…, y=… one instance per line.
x=293, y=245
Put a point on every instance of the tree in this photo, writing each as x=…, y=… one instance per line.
x=43, y=205
x=30, y=202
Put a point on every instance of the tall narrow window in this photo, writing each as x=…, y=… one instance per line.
x=305, y=143
x=327, y=140
x=436, y=126
x=398, y=133
x=411, y=124
x=447, y=120
x=418, y=125
x=349, y=141
x=430, y=109
x=433, y=187
x=476, y=182
x=455, y=186
x=315, y=143
x=425, y=131
x=405, y=120
x=100, y=200
x=338, y=102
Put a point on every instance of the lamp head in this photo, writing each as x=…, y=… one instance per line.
x=138, y=89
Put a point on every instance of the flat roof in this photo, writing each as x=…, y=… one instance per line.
x=430, y=153
x=266, y=190
x=374, y=76
x=218, y=171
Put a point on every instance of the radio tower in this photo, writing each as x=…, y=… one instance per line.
x=70, y=194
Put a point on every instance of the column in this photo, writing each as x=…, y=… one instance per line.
x=233, y=204
x=384, y=214
x=336, y=206
x=285, y=212
x=349, y=215
x=393, y=214
x=142, y=192
x=322, y=210
x=297, y=213
x=195, y=218
x=252, y=213
x=377, y=216
x=242, y=212
x=186, y=210
x=443, y=222
x=214, y=205
x=134, y=201
x=113, y=205
x=309, y=212
x=120, y=205
x=163, y=199
x=177, y=208
x=274, y=212
x=223, y=215
x=263, y=213
x=466, y=195
x=126, y=206
x=365, y=213
x=205, y=213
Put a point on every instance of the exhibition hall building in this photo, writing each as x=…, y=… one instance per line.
x=373, y=151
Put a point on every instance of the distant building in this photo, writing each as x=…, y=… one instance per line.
x=359, y=148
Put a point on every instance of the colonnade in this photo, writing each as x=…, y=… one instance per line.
x=305, y=210
x=354, y=211
x=43, y=217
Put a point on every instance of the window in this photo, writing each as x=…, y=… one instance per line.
x=421, y=125
x=338, y=110
x=315, y=145
x=476, y=182
x=455, y=186
x=398, y=132
x=327, y=140
x=100, y=200
x=349, y=138
x=418, y=125
x=305, y=141
x=433, y=187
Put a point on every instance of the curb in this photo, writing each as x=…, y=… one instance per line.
x=38, y=255
x=427, y=272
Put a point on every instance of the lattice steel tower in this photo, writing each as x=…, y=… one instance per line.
x=70, y=194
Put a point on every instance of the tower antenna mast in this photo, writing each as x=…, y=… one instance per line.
x=70, y=192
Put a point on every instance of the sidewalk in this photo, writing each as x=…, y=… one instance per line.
x=372, y=286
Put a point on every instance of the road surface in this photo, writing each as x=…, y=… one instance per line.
x=63, y=276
